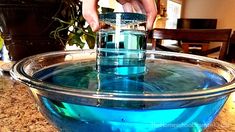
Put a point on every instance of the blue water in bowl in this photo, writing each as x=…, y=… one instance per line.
x=77, y=114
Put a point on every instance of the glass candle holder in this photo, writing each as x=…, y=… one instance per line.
x=121, y=43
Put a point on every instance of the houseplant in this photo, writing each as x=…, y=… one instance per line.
x=79, y=33
x=36, y=26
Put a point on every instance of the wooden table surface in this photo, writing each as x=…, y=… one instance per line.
x=19, y=113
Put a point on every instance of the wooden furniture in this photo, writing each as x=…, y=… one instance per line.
x=196, y=23
x=231, y=54
x=193, y=36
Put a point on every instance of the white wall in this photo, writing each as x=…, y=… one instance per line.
x=223, y=10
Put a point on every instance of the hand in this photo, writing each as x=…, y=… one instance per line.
x=147, y=7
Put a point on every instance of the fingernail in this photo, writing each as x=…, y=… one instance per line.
x=94, y=26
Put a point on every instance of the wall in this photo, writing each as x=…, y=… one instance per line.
x=223, y=10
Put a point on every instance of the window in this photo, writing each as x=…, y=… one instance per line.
x=173, y=13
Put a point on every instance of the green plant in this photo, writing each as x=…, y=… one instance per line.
x=1, y=41
x=78, y=31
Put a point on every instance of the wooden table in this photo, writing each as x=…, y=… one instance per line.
x=19, y=113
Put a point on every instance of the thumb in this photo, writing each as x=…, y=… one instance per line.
x=89, y=12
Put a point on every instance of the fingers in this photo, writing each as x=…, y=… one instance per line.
x=141, y=6
x=132, y=6
x=127, y=7
x=138, y=6
x=89, y=11
x=151, y=12
x=122, y=2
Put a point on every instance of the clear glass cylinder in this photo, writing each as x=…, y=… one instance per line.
x=121, y=43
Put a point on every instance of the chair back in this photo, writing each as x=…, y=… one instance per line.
x=194, y=35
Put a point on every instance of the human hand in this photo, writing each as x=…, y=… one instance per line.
x=147, y=7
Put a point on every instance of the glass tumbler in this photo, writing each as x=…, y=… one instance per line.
x=121, y=43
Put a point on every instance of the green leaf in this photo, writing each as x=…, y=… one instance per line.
x=81, y=19
x=79, y=32
x=1, y=42
x=71, y=35
x=90, y=41
x=76, y=39
x=90, y=31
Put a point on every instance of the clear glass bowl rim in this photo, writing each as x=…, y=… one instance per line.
x=17, y=73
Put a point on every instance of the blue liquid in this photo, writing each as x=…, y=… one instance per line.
x=84, y=115
x=121, y=53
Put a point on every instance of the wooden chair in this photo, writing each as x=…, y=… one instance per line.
x=231, y=55
x=189, y=36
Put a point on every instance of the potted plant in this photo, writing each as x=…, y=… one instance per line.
x=80, y=33
x=36, y=26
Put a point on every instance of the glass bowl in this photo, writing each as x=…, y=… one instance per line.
x=177, y=92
